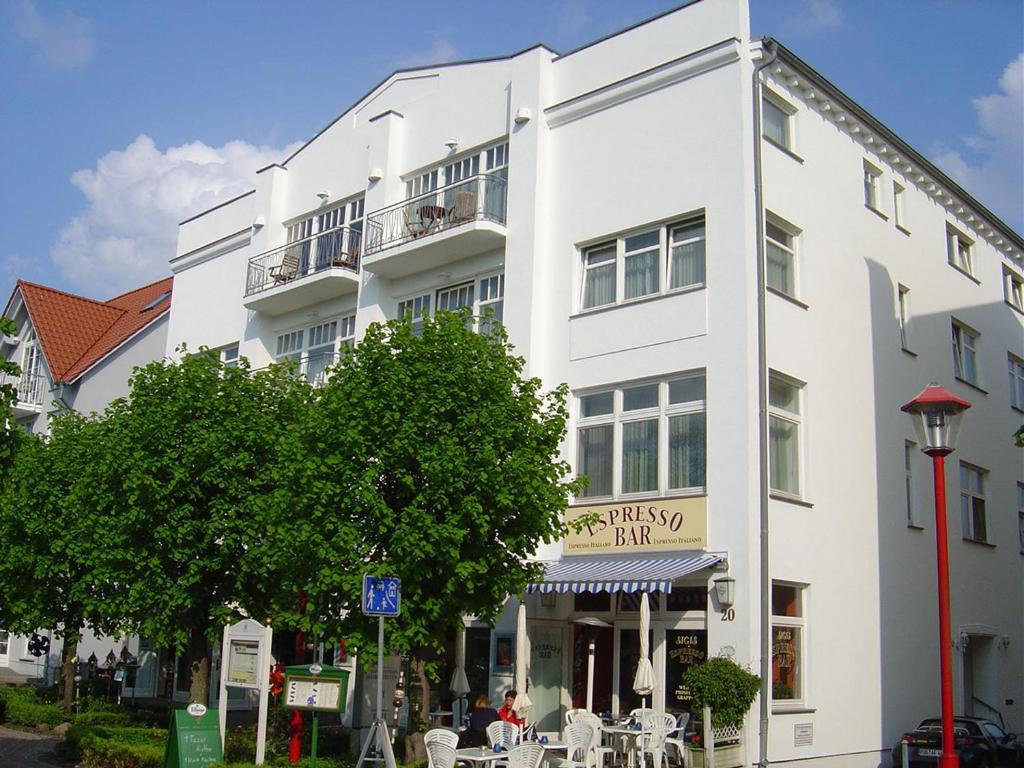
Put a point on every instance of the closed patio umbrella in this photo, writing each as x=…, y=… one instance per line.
x=643, y=682
x=522, y=703
x=459, y=685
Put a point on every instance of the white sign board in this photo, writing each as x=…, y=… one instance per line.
x=320, y=694
x=243, y=663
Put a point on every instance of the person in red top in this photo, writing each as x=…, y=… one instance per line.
x=508, y=714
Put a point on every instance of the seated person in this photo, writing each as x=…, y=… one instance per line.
x=483, y=714
x=508, y=714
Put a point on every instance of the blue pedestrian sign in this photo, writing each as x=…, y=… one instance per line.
x=382, y=595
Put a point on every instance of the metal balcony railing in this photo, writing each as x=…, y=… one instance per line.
x=338, y=247
x=29, y=387
x=481, y=197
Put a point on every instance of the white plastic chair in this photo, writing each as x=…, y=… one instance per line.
x=442, y=735
x=571, y=714
x=674, y=741
x=578, y=737
x=502, y=733
x=651, y=742
x=600, y=752
x=440, y=755
x=527, y=755
x=641, y=712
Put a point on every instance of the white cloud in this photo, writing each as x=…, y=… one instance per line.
x=992, y=168
x=136, y=197
x=815, y=16
x=64, y=40
x=441, y=50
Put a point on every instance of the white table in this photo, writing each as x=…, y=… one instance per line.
x=626, y=734
x=480, y=755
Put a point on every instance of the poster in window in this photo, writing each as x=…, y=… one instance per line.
x=504, y=652
x=785, y=662
x=684, y=648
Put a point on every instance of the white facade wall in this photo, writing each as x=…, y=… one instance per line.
x=648, y=127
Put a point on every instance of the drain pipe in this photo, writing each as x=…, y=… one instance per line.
x=762, y=409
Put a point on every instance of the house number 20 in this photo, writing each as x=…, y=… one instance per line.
x=729, y=614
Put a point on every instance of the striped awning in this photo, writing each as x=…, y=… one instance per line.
x=635, y=574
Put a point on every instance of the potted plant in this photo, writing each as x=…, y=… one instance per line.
x=728, y=690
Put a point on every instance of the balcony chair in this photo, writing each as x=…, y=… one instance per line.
x=464, y=208
x=288, y=269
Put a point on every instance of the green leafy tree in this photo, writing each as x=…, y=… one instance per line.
x=724, y=686
x=428, y=456
x=193, y=461
x=10, y=434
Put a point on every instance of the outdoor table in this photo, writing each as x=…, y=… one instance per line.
x=625, y=734
x=480, y=755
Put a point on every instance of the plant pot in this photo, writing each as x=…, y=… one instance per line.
x=726, y=756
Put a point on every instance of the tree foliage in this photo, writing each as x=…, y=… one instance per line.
x=10, y=435
x=724, y=686
x=428, y=456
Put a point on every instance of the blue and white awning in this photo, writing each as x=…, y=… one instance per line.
x=635, y=574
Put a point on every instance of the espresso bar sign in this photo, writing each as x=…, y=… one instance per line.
x=642, y=526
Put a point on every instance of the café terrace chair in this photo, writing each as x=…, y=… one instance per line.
x=527, y=755
x=674, y=741
x=599, y=752
x=572, y=714
x=442, y=735
x=440, y=755
x=502, y=733
x=578, y=738
x=651, y=742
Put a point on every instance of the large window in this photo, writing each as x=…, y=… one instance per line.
x=958, y=250
x=315, y=347
x=780, y=255
x=973, y=515
x=788, y=626
x=965, y=353
x=644, y=438
x=338, y=238
x=495, y=160
x=1015, y=369
x=485, y=297
x=647, y=263
x=784, y=421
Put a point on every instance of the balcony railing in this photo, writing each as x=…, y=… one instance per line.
x=313, y=367
x=29, y=387
x=478, y=198
x=338, y=247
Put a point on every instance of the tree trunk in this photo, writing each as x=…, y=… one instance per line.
x=415, y=749
x=70, y=656
x=199, y=666
x=422, y=701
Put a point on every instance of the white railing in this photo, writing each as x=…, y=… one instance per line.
x=29, y=387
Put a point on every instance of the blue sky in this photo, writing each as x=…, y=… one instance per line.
x=121, y=118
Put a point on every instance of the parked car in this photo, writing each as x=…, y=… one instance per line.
x=979, y=743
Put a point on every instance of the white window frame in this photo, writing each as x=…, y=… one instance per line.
x=492, y=157
x=229, y=355
x=899, y=210
x=662, y=412
x=310, y=344
x=796, y=419
x=1013, y=289
x=1015, y=371
x=5, y=643
x=873, y=187
x=911, y=485
x=416, y=307
x=965, y=342
x=347, y=332
x=665, y=232
x=959, y=250
x=485, y=291
x=788, y=113
x=790, y=247
x=904, y=316
x=798, y=622
x=970, y=497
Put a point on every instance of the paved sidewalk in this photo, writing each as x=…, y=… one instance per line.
x=19, y=749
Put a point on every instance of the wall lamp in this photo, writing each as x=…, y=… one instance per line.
x=725, y=589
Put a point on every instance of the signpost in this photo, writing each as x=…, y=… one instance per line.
x=193, y=739
x=382, y=596
x=315, y=689
x=245, y=663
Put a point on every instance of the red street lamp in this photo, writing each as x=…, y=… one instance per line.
x=936, y=414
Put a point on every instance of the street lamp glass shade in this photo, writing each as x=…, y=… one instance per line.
x=725, y=590
x=936, y=415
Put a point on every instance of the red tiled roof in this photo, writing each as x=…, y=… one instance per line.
x=76, y=332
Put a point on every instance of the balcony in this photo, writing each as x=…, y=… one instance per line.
x=316, y=268
x=29, y=388
x=437, y=228
x=313, y=367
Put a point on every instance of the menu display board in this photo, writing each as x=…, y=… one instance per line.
x=685, y=647
x=314, y=693
x=243, y=663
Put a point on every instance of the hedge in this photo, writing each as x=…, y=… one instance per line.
x=27, y=706
x=97, y=746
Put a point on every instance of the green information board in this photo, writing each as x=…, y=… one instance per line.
x=193, y=742
x=314, y=688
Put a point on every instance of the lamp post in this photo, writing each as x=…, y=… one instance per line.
x=936, y=416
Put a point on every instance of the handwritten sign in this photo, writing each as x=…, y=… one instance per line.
x=647, y=526
x=193, y=742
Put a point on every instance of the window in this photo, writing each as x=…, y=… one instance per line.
x=1016, y=371
x=872, y=187
x=958, y=250
x=972, y=503
x=1020, y=515
x=417, y=308
x=229, y=355
x=643, y=438
x=903, y=301
x=492, y=302
x=495, y=160
x=1013, y=289
x=347, y=332
x=315, y=347
x=788, y=626
x=965, y=353
x=670, y=255
x=289, y=346
x=910, y=481
x=5, y=642
x=489, y=301
x=780, y=254
x=784, y=435
x=898, y=212
x=777, y=121
x=337, y=232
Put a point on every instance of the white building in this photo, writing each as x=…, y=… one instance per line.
x=611, y=205
x=77, y=353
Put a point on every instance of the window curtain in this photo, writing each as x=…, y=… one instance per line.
x=595, y=459
x=639, y=456
x=600, y=287
x=687, y=450
x=783, y=455
x=688, y=262
x=641, y=274
x=779, y=272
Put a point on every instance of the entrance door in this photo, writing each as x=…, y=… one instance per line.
x=981, y=686
x=546, y=676
x=602, y=667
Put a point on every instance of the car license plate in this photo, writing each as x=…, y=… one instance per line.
x=929, y=752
